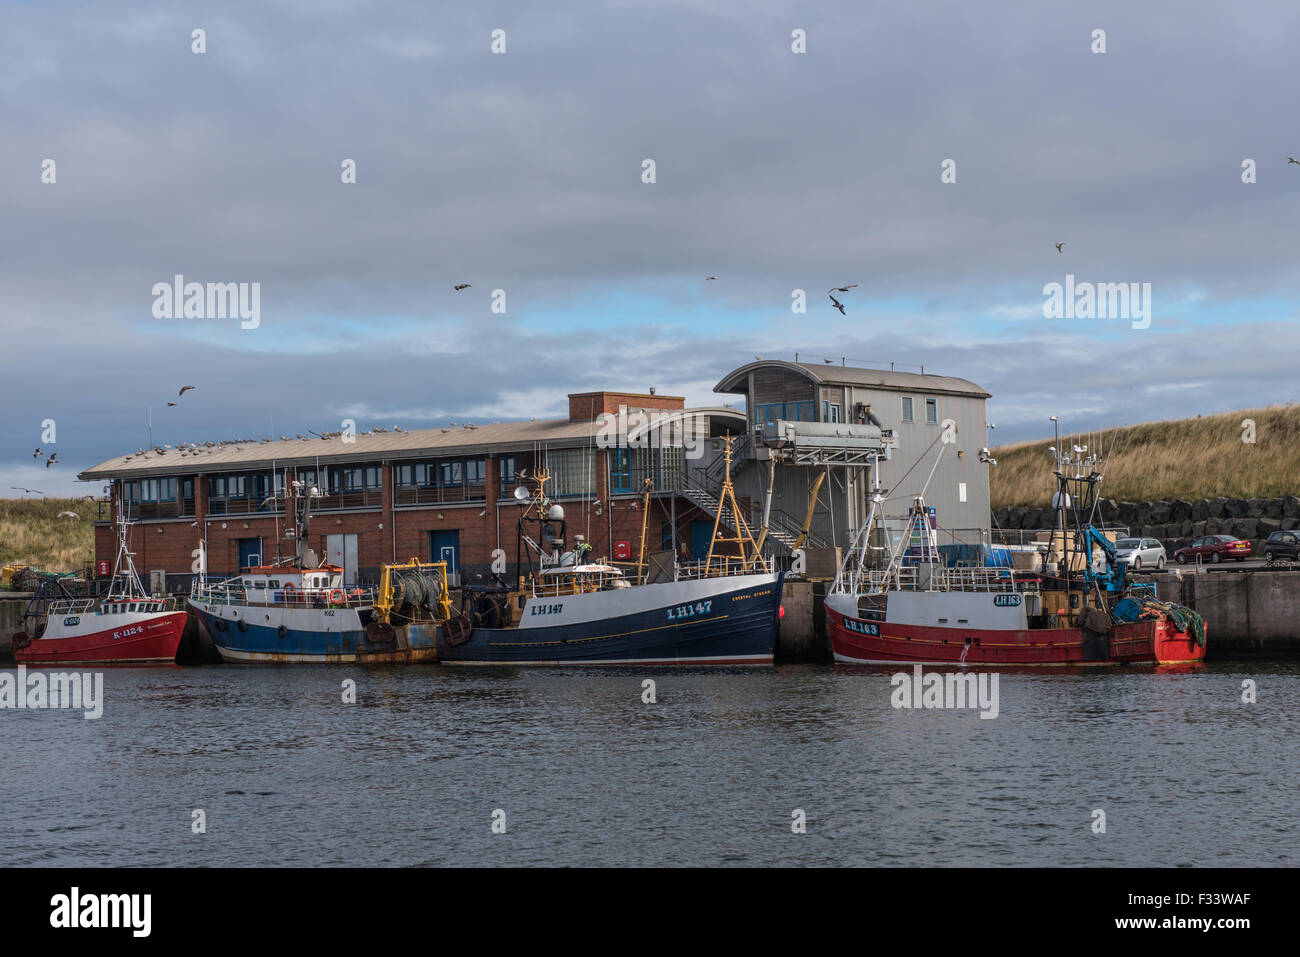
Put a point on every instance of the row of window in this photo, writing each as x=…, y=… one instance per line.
x=931, y=410
x=768, y=413
x=455, y=473
x=572, y=474
x=150, y=490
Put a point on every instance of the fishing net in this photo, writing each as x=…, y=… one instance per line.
x=1183, y=618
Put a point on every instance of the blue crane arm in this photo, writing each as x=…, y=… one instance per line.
x=1116, y=571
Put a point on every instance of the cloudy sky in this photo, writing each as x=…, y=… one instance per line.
x=522, y=171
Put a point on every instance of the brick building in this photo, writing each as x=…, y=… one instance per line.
x=433, y=494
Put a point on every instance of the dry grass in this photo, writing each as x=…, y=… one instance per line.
x=32, y=534
x=1189, y=459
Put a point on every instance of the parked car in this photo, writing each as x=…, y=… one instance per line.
x=1214, y=548
x=1282, y=544
x=1140, y=553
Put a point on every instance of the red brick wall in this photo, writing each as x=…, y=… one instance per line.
x=586, y=406
x=170, y=544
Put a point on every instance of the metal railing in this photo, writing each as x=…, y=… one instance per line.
x=109, y=606
x=723, y=567
x=936, y=578
x=233, y=593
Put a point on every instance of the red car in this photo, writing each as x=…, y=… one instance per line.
x=1214, y=548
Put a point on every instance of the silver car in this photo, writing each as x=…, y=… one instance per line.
x=1140, y=553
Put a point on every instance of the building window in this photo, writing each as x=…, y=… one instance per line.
x=830, y=411
x=353, y=479
x=907, y=408
x=508, y=472
x=672, y=463
x=769, y=412
x=476, y=477
x=931, y=411
x=451, y=474
x=573, y=471
x=416, y=475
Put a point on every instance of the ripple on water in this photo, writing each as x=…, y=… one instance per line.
x=710, y=774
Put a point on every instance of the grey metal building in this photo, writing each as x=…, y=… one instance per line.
x=917, y=407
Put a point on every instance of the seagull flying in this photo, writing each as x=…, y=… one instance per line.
x=1292, y=159
x=36, y=454
x=34, y=491
x=67, y=515
x=50, y=461
x=1059, y=247
x=844, y=288
x=460, y=286
x=184, y=389
x=839, y=305
x=707, y=278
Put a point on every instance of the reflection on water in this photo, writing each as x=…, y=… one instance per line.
x=710, y=774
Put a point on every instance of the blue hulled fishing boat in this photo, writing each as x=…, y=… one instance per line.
x=302, y=611
x=567, y=610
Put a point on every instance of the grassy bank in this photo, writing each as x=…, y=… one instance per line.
x=1186, y=458
x=31, y=533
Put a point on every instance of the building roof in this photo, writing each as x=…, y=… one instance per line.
x=736, y=381
x=503, y=437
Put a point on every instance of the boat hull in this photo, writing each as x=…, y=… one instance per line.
x=703, y=622
x=138, y=639
x=245, y=634
x=858, y=641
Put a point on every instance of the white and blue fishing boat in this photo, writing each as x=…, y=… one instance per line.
x=303, y=611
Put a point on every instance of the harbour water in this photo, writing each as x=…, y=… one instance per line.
x=286, y=773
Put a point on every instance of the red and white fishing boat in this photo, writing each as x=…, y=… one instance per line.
x=124, y=627
x=913, y=609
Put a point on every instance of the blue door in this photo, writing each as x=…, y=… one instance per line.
x=444, y=546
x=250, y=552
x=701, y=535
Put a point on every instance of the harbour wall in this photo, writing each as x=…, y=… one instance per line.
x=12, y=605
x=1248, y=614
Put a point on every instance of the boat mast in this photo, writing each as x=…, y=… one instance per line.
x=645, y=521
x=124, y=573
x=727, y=497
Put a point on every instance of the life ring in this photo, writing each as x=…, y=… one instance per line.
x=289, y=586
x=337, y=597
x=282, y=631
x=220, y=624
x=241, y=626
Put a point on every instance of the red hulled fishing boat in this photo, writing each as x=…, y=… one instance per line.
x=125, y=627
x=1081, y=610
